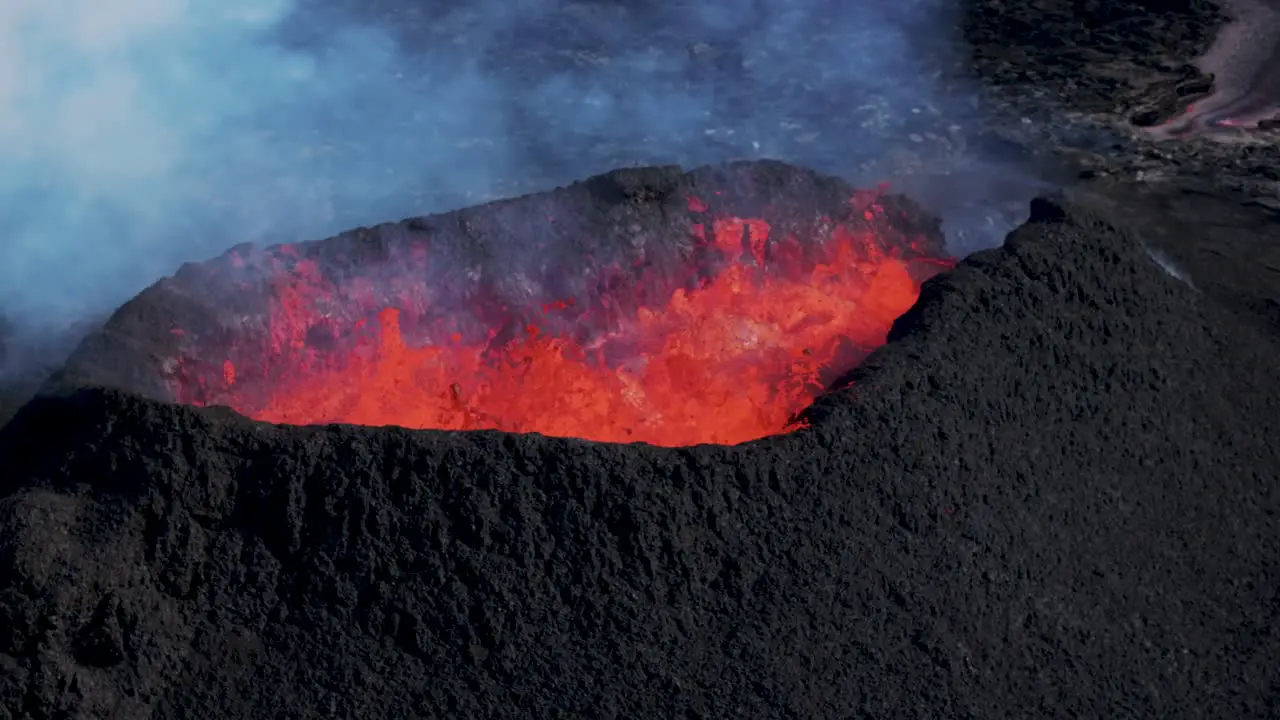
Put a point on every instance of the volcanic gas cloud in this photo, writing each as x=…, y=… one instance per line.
x=721, y=332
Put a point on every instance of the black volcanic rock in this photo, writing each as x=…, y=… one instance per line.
x=1054, y=493
x=1087, y=81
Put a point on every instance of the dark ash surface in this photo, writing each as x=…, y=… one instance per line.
x=1053, y=493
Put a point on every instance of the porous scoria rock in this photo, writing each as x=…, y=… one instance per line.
x=1052, y=493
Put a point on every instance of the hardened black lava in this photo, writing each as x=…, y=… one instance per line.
x=1052, y=493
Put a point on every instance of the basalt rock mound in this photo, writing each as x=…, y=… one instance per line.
x=1053, y=492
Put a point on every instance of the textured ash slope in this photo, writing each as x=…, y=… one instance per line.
x=1054, y=492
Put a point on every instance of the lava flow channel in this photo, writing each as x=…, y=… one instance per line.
x=734, y=359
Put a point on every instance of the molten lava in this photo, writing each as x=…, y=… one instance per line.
x=733, y=357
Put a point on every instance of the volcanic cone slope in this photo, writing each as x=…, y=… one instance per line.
x=1051, y=494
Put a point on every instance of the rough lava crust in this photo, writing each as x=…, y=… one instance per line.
x=1052, y=493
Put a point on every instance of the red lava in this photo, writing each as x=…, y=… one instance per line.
x=731, y=360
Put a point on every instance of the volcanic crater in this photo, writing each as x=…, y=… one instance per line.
x=359, y=476
x=1052, y=491
x=647, y=304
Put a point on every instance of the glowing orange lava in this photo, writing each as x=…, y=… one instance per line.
x=731, y=360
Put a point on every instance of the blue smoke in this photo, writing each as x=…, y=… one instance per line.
x=139, y=134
